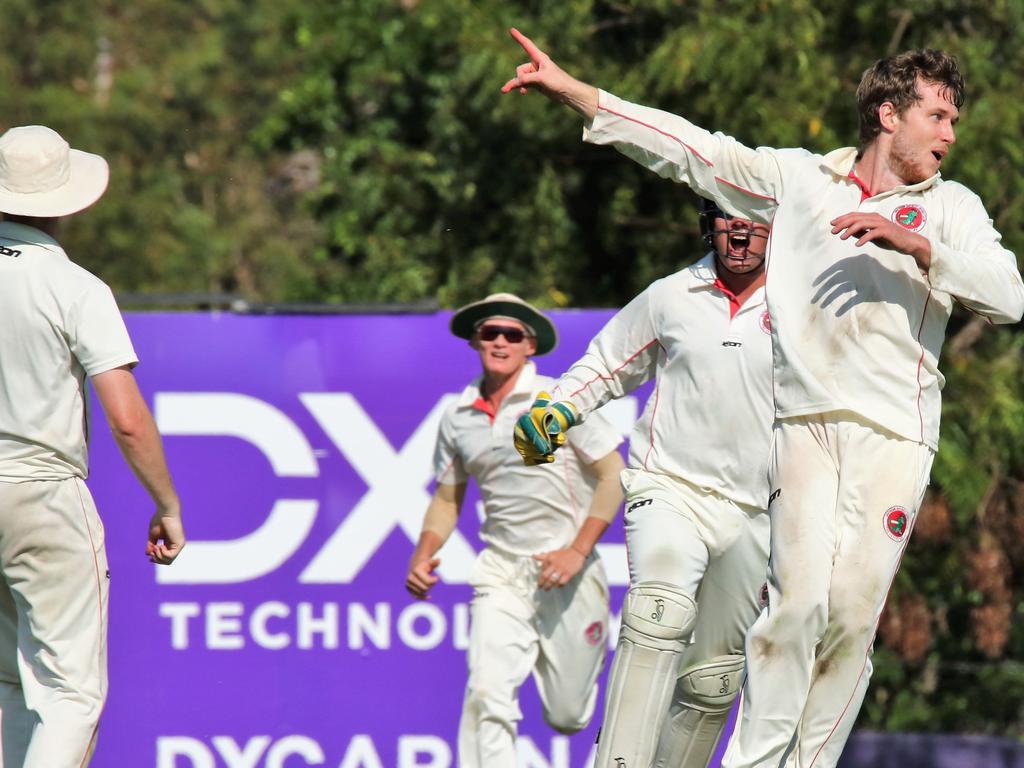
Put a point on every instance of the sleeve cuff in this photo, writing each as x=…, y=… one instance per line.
x=592, y=128
x=96, y=369
x=939, y=266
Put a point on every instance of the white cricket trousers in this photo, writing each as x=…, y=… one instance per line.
x=707, y=546
x=53, y=624
x=845, y=494
x=561, y=636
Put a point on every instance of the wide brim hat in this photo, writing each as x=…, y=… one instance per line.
x=466, y=319
x=40, y=175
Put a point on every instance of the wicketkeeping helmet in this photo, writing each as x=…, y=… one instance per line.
x=709, y=211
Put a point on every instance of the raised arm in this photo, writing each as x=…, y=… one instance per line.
x=542, y=74
x=744, y=181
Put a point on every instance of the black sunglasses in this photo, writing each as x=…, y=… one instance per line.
x=491, y=332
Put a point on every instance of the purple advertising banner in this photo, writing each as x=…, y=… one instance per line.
x=283, y=636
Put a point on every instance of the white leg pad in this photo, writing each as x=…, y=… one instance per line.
x=656, y=621
x=704, y=695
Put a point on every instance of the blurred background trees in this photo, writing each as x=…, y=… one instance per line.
x=360, y=151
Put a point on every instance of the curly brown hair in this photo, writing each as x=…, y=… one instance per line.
x=894, y=79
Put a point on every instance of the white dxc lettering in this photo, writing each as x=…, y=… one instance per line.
x=396, y=494
x=386, y=504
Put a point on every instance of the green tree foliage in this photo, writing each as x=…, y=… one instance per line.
x=169, y=93
x=360, y=150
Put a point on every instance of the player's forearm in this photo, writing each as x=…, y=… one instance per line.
x=922, y=253
x=428, y=545
x=605, y=504
x=143, y=451
x=580, y=97
x=977, y=269
x=439, y=521
x=136, y=434
x=589, y=534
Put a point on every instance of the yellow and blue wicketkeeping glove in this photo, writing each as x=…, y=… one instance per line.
x=541, y=430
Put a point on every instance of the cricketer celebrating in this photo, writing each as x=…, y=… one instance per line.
x=696, y=491
x=60, y=325
x=870, y=247
x=540, y=599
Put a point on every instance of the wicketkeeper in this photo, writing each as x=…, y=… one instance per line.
x=696, y=491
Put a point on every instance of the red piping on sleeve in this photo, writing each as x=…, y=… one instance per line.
x=666, y=134
x=446, y=469
x=690, y=149
x=745, y=190
x=654, y=413
x=920, y=361
x=628, y=360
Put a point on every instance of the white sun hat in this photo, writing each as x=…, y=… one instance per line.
x=467, y=319
x=40, y=175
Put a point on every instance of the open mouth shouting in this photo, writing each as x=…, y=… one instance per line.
x=739, y=244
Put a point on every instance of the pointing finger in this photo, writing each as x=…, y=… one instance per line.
x=528, y=45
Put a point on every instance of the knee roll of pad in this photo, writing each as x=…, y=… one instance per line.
x=712, y=685
x=704, y=695
x=658, y=615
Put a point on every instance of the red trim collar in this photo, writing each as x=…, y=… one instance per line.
x=734, y=302
x=484, y=405
x=865, y=193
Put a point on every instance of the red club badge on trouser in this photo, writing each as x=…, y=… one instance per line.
x=594, y=633
x=896, y=521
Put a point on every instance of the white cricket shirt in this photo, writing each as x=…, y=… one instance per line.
x=58, y=324
x=526, y=509
x=853, y=328
x=709, y=419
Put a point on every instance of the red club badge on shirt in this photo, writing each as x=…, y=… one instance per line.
x=594, y=633
x=766, y=322
x=896, y=521
x=910, y=217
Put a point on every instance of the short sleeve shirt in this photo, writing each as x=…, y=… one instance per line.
x=526, y=509
x=59, y=325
